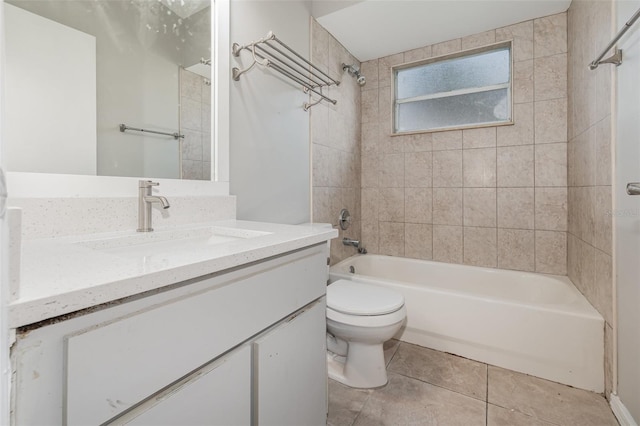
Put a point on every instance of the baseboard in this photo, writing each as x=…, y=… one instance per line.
x=620, y=411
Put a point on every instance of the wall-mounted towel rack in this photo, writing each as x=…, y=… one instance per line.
x=175, y=135
x=616, y=58
x=272, y=53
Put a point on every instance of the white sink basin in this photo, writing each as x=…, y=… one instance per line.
x=162, y=242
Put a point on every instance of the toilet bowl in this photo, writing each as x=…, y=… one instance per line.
x=360, y=318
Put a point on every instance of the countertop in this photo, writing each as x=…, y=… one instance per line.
x=63, y=275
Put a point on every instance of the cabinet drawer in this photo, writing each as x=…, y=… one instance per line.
x=113, y=366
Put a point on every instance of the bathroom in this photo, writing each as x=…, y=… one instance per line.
x=543, y=192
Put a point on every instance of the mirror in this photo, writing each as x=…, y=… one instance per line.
x=77, y=70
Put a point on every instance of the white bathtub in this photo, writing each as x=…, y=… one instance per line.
x=532, y=323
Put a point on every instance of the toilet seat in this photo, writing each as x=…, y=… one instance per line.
x=359, y=299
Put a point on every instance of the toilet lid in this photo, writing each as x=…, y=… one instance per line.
x=355, y=298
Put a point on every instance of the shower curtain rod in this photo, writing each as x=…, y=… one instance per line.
x=616, y=58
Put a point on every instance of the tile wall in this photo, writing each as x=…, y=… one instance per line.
x=195, y=125
x=493, y=196
x=335, y=136
x=590, y=163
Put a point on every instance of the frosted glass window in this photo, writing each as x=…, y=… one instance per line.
x=458, y=91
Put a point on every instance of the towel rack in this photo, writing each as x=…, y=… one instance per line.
x=175, y=135
x=616, y=58
x=271, y=52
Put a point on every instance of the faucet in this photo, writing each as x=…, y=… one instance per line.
x=355, y=243
x=145, y=199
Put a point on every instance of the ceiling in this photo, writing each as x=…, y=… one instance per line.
x=372, y=29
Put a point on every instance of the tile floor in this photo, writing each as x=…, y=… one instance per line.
x=428, y=387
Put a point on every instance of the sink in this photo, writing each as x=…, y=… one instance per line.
x=173, y=240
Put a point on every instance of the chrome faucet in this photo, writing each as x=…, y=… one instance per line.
x=355, y=243
x=145, y=199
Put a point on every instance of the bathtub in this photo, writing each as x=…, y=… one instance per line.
x=532, y=323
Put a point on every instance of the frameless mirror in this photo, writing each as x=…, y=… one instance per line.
x=109, y=87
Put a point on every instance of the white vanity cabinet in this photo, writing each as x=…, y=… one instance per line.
x=243, y=346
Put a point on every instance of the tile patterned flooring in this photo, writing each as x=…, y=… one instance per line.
x=428, y=387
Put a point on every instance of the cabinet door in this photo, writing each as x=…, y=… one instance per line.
x=219, y=394
x=290, y=371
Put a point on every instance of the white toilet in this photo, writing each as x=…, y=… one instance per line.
x=360, y=318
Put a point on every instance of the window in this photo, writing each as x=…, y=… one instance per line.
x=461, y=90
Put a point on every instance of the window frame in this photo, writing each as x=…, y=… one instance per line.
x=468, y=52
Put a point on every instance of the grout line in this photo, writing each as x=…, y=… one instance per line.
x=486, y=407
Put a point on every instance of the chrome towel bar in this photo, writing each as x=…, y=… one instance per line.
x=616, y=58
x=175, y=135
x=272, y=53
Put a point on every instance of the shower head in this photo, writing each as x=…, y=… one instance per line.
x=354, y=70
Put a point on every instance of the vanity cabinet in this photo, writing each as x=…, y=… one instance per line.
x=244, y=346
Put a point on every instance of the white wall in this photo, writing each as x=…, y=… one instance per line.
x=627, y=214
x=269, y=142
x=51, y=88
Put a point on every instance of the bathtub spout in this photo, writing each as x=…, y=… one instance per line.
x=354, y=243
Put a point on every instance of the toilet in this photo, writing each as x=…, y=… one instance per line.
x=360, y=318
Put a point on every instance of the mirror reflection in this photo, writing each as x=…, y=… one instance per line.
x=77, y=70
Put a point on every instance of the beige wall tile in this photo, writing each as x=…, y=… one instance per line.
x=583, y=161
x=369, y=139
x=586, y=254
x=480, y=246
x=447, y=243
x=320, y=125
x=478, y=40
x=515, y=166
x=603, y=152
x=369, y=101
x=479, y=138
x=479, y=167
x=523, y=82
x=603, y=220
x=446, y=47
x=370, y=236
x=443, y=141
x=417, y=169
x=479, y=207
x=516, y=249
x=550, y=74
x=516, y=208
x=417, y=54
x=418, y=205
x=370, y=204
x=384, y=68
x=522, y=36
x=369, y=170
x=550, y=35
x=418, y=142
x=447, y=206
x=603, y=300
x=521, y=132
x=551, y=121
x=370, y=70
x=391, y=205
x=608, y=359
x=392, y=171
x=551, y=252
x=319, y=45
x=584, y=213
x=551, y=164
x=321, y=165
x=391, y=239
x=447, y=168
x=417, y=241
x=551, y=209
